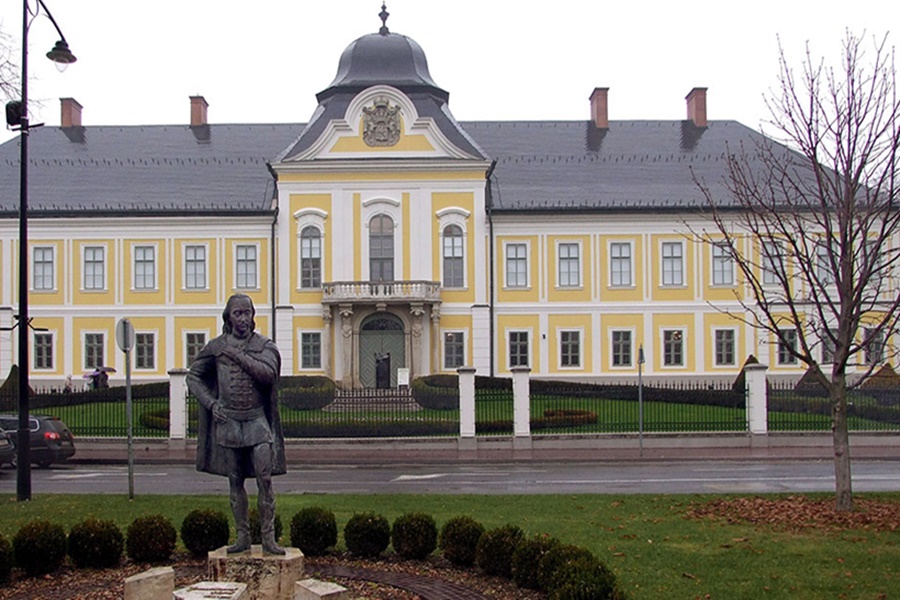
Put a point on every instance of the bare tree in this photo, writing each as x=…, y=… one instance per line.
x=811, y=221
x=9, y=69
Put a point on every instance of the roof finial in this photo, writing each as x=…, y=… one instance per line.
x=384, y=14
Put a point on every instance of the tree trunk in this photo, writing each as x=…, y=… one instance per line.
x=843, y=498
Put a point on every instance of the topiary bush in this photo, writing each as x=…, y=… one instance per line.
x=314, y=530
x=527, y=557
x=95, y=544
x=495, y=550
x=585, y=578
x=204, y=529
x=6, y=559
x=459, y=538
x=414, y=535
x=367, y=534
x=39, y=547
x=150, y=539
x=256, y=527
x=306, y=392
x=551, y=574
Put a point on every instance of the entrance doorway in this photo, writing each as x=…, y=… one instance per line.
x=382, y=350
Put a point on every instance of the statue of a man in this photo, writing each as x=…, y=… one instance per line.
x=235, y=377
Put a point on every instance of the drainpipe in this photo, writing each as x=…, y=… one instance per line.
x=490, y=205
x=273, y=275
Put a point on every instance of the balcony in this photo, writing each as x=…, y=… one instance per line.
x=381, y=292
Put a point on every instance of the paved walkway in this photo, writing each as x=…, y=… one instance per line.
x=429, y=588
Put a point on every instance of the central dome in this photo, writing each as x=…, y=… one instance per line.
x=383, y=59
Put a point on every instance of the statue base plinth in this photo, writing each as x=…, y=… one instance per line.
x=268, y=577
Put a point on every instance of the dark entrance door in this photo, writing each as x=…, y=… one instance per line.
x=382, y=350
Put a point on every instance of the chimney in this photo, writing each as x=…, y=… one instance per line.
x=198, y=111
x=70, y=113
x=696, y=106
x=599, y=108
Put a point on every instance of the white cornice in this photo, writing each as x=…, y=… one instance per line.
x=381, y=165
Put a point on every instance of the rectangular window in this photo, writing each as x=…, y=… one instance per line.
x=516, y=265
x=93, y=350
x=823, y=264
x=94, y=268
x=673, y=348
x=453, y=257
x=874, y=340
x=195, y=267
x=620, y=264
x=144, y=351
x=310, y=350
x=621, y=348
x=828, y=338
x=570, y=348
x=310, y=258
x=569, y=265
x=454, y=350
x=672, y=263
x=724, y=343
x=787, y=345
x=518, y=348
x=42, y=270
x=194, y=342
x=43, y=350
x=771, y=262
x=245, y=267
x=144, y=268
x=722, y=265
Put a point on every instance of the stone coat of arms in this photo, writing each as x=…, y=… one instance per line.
x=381, y=123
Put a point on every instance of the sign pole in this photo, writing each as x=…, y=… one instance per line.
x=641, y=398
x=125, y=340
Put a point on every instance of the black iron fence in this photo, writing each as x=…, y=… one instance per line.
x=808, y=408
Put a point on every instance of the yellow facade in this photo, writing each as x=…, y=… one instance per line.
x=406, y=143
x=200, y=296
x=442, y=201
x=54, y=296
x=455, y=323
x=156, y=294
x=306, y=324
x=580, y=323
x=518, y=323
x=622, y=293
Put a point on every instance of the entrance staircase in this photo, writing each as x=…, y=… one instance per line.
x=392, y=399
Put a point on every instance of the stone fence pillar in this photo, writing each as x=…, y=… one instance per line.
x=521, y=402
x=757, y=402
x=466, y=401
x=178, y=404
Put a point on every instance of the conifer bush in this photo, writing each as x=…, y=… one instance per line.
x=367, y=534
x=6, y=559
x=39, y=547
x=414, y=535
x=204, y=529
x=95, y=544
x=495, y=550
x=459, y=538
x=150, y=539
x=527, y=557
x=314, y=530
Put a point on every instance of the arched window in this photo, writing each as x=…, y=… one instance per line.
x=381, y=248
x=310, y=257
x=454, y=276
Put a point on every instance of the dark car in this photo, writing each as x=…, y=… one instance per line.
x=51, y=440
x=7, y=449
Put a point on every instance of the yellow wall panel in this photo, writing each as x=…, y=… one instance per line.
x=508, y=294
x=580, y=293
x=45, y=297
x=580, y=323
x=211, y=326
x=306, y=324
x=196, y=296
x=93, y=297
x=406, y=143
x=672, y=293
x=507, y=323
x=321, y=202
x=150, y=296
x=157, y=326
x=633, y=292
x=712, y=322
x=465, y=201
x=260, y=294
x=55, y=326
x=632, y=322
x=82, y=325
x=680, y=322
x=453, y=323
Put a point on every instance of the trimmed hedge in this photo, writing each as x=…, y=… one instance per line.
x=306, y=392
x=370, y=429
x=437, y=392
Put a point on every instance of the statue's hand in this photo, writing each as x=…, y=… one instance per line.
x=232, y=352
x=218, y=414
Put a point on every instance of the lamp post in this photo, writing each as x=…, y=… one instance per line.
x=19, y=113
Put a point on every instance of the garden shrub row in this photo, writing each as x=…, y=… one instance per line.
x=306, y=392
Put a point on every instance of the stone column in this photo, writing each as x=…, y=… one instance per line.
x=327, y=333
x=417, y=360
x=521, y=402
x=757, y=401
x=466, y=402
x=178, y=404
x=346, y=312
x=436, y=340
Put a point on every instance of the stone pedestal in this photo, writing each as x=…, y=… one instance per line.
x=268, y=577
x=313, y=589
x=213, y=590
x=153, y=584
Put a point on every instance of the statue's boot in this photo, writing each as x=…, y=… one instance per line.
x=241, y=523
x=267, y=524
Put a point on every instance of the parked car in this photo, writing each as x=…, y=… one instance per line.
x=7, y=449
x=51, y=440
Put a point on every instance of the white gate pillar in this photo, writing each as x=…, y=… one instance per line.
x=521, y=402
x=757, y=402
x=466, y=401
x=178, y=404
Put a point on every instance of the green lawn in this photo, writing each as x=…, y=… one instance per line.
x=655, y=551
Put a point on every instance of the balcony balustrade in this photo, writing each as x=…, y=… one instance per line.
x=387, y=292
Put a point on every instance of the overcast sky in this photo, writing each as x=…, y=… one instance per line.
x=263, y=61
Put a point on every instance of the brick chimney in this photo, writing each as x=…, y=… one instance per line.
x=198, y=111
x=70, y=112
x=599, y=108
x=696, y=106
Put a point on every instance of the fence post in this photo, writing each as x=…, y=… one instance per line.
x=178, y=404
x=521, y=402
x=757, y=402
x=466, y=401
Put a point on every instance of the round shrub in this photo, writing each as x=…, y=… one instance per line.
x=6, y=559
x=495, y=550
x=584, y=578
x=414, y=535
x=527, y=557
x=95, y=544
x=256, y=527
x=367, y=534
x=551, y=572
x=150, y=539
x=204, y=529
x=459, y=538
x=39, y=547
x=313, y=530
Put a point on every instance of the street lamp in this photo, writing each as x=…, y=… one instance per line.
x=17, y=116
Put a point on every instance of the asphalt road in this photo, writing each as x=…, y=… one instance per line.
x=677, y=477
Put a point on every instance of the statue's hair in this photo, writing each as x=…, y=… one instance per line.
x=226, y=320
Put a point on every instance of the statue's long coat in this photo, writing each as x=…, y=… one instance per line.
x=203, y=379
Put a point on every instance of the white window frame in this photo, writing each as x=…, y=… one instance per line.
x=632, y=351
x=185, y=334
x=155, y=358
x=35, y=278
x=577, y=261
x=34, y=347
x=134, y=267
x=528, y=332
x=769, y=263
x=465, y=345
x=84, y=271
x=526, y=259
x=185, y=261
x=310, y=217
x=722, y=265
x=392, y=208
x=559, y=346
x=250, y=285
x=682, y=333
x=620, y=260
x=665, y=260
x=300, y=257
x=458, y=216
x=734, y=346
x=84, y=353
x=304, y=332
x=783, y=355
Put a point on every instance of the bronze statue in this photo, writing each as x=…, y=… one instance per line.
x=235, y=378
